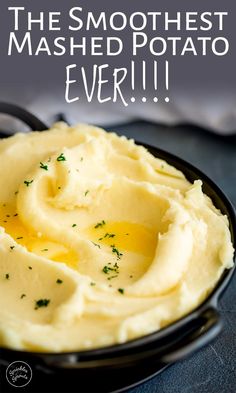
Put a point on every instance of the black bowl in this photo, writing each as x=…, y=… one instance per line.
x=118, y=367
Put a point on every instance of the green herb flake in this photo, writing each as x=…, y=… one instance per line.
x=28, y=182
x=23, y=295
x=92, y=284
x=86, y=193
x=121, y=290
x=15, y=215
x=16, y=192
x=108, y=269
x=61, y=157
x=111, y=277
x=30, y=267
x=41, y=303
x=99, y=224
x=7, y=276
x=74, y=225
x=81, y=159
x=97, y=245
x=116, y=251
x=20, y=237
x=45, y=249
x=59, y=281
x=12, y=247
x=109, y=235
x=43, y=166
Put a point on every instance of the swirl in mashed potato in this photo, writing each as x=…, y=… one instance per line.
x=100, y=242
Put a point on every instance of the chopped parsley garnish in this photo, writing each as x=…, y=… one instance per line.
x=7, y=276
x=59, y=281
x=12, y=247
x=92, y=284
x=41, y=303
x=15, y=215
x=107, y=235
x=23, y=295
x=45, y=249
x=20, y=237
x=86, y=192
x=61, y=157
x=116, y=251
x=43, y=166
x=16, y=192
x=99, y=224
x=58, y=188
x=30, y=267
x=97, y=245
x=81, y=159
x=121, y=290
x=116, y=266
x=74, y=225
x=108, y=269
x=111, y=277
x=28, y=182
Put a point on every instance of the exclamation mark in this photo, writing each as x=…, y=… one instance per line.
x=132, y=99
x=167, y=80
x=132, y=75
x=155, y=79
x=144, y=99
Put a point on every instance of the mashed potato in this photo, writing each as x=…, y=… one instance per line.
x=100, y=242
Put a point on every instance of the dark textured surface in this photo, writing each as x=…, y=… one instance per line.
x=213, y=369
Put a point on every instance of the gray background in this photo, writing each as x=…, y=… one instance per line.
x=209, y=74
x=202, y=89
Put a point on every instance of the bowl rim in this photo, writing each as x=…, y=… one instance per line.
x=210, y=301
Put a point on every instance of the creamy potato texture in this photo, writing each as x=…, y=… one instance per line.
x=100, y=242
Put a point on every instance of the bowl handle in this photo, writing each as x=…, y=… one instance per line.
x=28, y=118
x=209, y=328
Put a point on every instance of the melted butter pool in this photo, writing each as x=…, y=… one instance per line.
x=131, y=246
x=41, y=246
x=126, y=236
